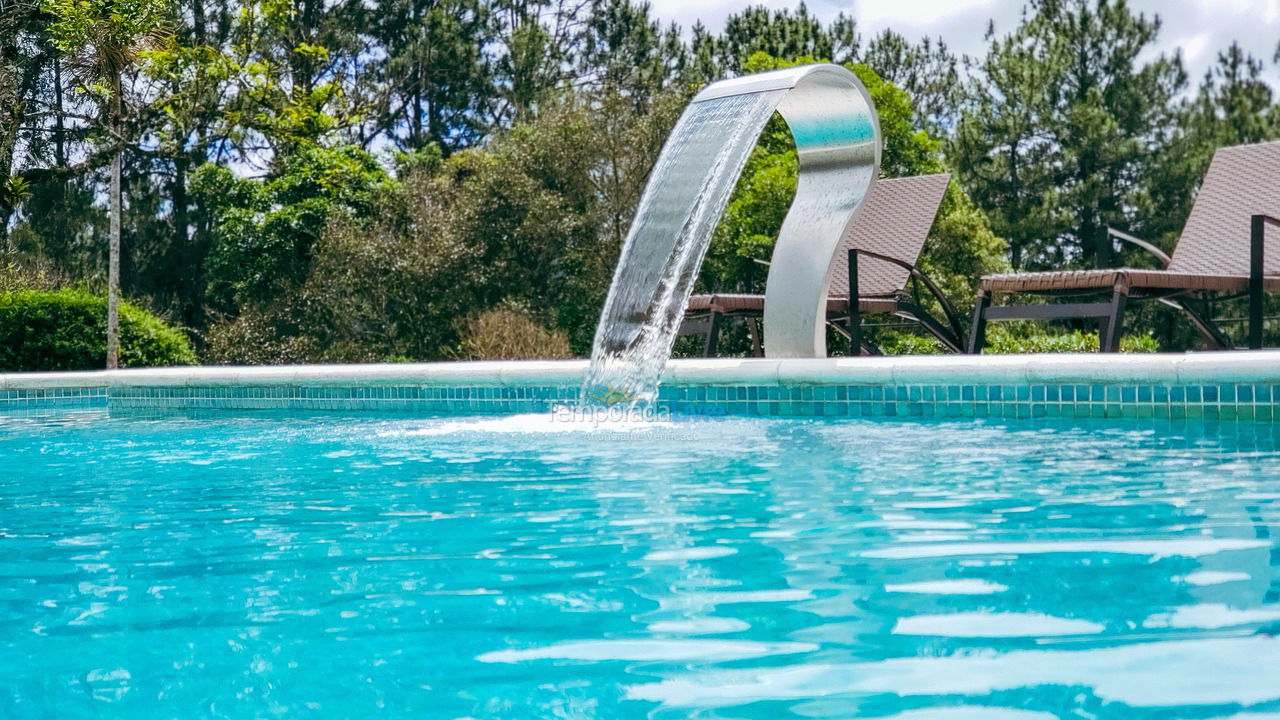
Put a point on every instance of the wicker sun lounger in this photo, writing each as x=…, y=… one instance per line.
x=1225, y=247
x=883, y=244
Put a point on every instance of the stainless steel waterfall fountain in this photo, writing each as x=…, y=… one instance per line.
x=837, y=136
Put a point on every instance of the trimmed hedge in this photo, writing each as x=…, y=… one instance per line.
x=67, y=330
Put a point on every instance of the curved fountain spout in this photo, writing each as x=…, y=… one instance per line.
x=837, y=137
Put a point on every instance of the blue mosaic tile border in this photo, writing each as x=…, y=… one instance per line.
x=1233, y=401
x=1226, y=401
x=53, y=398
x=428, y=399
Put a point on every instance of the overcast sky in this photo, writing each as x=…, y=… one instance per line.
x=1199, y=27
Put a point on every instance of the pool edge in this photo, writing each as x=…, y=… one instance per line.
x=1208, y=386
x=1167, y=369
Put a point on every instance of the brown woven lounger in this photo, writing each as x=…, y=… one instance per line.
x=883, y=243
x=1225, y=247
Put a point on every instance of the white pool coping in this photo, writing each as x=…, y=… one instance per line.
x=1261, y=366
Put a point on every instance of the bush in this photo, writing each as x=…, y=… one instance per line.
x=508, y=332
x=252, y=339
x=392, y=287
x=266, y=231
x=902, y=343
x=67, y=330
x=1006, y=343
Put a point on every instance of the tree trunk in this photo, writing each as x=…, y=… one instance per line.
x=113, y=253
x=113, y=268
x=182, y=251
x=59, y=141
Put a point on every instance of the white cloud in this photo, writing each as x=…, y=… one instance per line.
x=929, y=12
x=1195, y=49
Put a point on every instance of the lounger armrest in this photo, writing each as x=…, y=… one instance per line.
x=1257, y=255
x=947, y=308
x=1126, y=237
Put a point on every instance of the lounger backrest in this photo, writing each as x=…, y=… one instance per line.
x=894, y=220
x=1242, y=181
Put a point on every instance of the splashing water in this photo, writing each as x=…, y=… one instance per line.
x=683, y=200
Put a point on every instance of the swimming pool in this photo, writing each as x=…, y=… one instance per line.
x=182, y=563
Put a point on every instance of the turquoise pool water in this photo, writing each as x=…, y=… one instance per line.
x=260, y=566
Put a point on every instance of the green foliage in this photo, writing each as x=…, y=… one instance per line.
x=893, y=342
x=424, y=160
x=517, y=137
x=290, y=61
x=378, y=289
x=15, y=190
x=908, y=150
x=192, y=79
x=439, y=49
x=1234, y=106
x=526, y=213
x=15, y=277
x=1001, y=342
x=104, y=37
x=1061, y=122
x=265, y=231
x=62, y=227
x=625, y=51
x=536, y=41
x=520, y=224
x=927, y=71
x=781, y=33
x=66, y=330
x=509, y=332
x=961, y=248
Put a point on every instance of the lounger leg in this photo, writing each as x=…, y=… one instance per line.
x=1113, y=325
x=932, y=325
x=1256, y=318
x=978, y=335
x=713, y=335
x=1199, y=313
x=855, y=329
x=855, y=318
x=753, y=332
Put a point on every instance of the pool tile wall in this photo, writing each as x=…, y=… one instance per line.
x=1222, y=401
x=459, y=400
x=1212, y=386
x=53, y=398
x=1225, y=401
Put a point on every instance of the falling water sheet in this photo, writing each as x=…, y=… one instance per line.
x=687, y=192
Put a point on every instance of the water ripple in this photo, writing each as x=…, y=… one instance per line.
x=294, y=566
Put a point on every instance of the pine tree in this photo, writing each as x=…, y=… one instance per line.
x=927, y=71
x=436, y=80
x=781, y=34
x=1061, y=126
x=1233, y=106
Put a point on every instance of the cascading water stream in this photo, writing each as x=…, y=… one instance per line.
x=686, y=194
x=837, y=134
